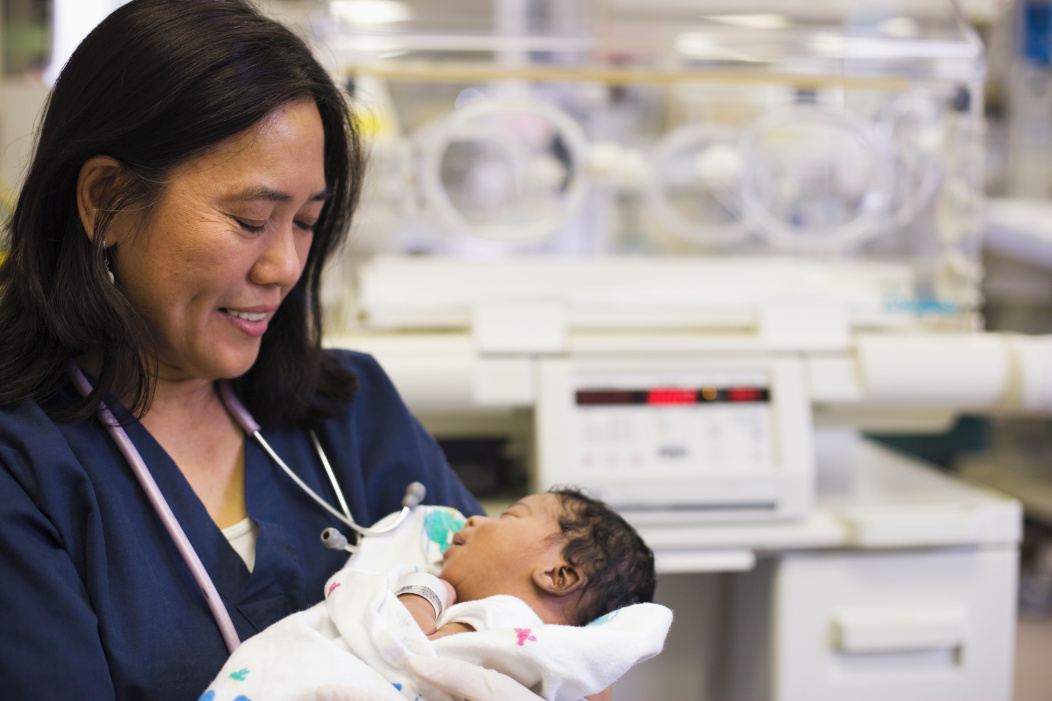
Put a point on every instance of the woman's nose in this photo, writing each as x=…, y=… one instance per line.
x=282, y=259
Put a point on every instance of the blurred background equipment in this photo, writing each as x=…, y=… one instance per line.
x=691, y=257
x=768, y=276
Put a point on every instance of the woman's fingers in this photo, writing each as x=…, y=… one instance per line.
x=337, y=692
x=464, y=679
x=470, y=681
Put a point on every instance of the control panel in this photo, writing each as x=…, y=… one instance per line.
x=679, y=440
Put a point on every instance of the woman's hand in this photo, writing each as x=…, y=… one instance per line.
x=475, y=683
x=470, y=681
x=337, y=692
x=340, y=693
x=464, y=679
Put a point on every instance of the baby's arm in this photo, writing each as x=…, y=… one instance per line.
x=424, y=614
x=450, y=629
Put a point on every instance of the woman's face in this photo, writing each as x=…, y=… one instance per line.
x=228, y=240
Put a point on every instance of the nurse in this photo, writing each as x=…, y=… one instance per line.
x=195, y=169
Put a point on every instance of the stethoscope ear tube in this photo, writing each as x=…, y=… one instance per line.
x=414, y=493
x=334, y=540
x=300, y=483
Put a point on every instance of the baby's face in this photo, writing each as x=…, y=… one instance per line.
x=498, y=555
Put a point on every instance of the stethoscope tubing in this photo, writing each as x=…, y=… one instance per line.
x=414, y=493
x=330, y=537
x=168, y=519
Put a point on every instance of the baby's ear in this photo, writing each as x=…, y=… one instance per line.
x=559, y=579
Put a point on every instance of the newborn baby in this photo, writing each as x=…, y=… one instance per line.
x=568, y=557
x=554, y=592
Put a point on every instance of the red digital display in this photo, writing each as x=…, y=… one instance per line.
x=672, y=395
x=745, y=394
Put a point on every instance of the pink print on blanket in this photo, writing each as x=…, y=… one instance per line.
x=524, y=635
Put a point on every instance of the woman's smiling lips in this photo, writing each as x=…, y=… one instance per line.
x=252, y=321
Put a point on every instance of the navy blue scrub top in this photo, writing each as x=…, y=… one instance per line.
x=95, y=601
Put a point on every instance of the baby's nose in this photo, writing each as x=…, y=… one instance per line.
x=474, y=521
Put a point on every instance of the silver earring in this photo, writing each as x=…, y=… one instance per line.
x=109, y=273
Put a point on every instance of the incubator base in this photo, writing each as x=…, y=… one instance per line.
x=900, y=585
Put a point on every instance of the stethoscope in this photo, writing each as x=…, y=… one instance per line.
x=331, y=537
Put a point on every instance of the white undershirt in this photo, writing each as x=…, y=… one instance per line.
x=242, y=538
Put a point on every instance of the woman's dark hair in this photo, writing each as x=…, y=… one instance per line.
x=157, y=83
x=617, y=564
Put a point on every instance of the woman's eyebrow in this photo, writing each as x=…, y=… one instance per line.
x=261, y=192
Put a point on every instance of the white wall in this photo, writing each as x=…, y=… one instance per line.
x=21, y=101
x=74, y=19
x=22, y=97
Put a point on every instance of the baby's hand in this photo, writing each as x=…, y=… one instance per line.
x=451, y=593
x=451, y=629
x=423, y=611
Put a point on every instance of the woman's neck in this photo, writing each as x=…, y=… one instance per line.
x=183, y=399
x=189, y=420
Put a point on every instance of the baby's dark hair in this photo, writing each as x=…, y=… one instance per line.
x=618, y=565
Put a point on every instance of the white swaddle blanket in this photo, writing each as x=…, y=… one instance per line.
x=362, y=636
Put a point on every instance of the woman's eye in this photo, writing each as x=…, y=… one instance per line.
x=248, y=226
x=306, y=226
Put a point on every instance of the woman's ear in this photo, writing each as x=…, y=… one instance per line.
x=558, y=580
x=98, y=176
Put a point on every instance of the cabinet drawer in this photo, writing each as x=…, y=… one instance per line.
x=931, y=626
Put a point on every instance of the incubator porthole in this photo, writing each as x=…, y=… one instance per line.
x=507, y=170
x=815, y=179
x=916, y=125
x=693, y=193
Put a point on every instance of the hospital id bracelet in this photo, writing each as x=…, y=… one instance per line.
x=426, y=585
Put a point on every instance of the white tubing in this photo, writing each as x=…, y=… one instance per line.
x=945, y=370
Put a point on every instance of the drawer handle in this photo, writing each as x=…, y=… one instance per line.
x=900, y=629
